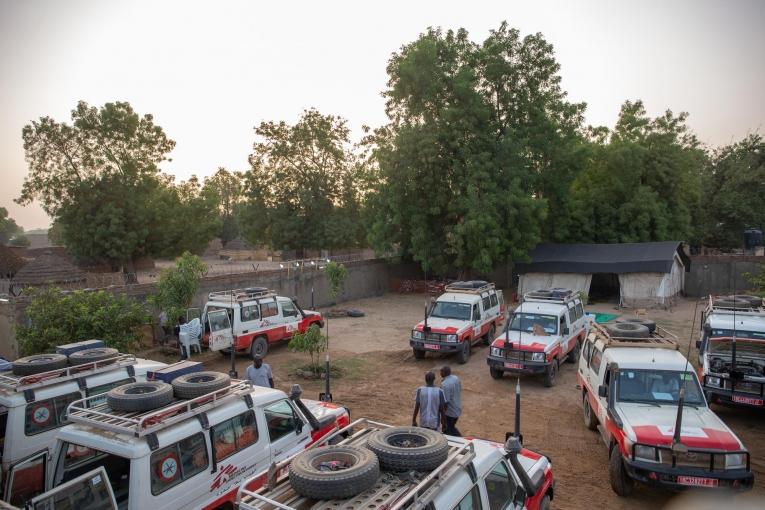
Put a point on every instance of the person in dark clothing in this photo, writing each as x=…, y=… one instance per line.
x=453, y=391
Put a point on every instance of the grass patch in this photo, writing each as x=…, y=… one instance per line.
x=346, y=368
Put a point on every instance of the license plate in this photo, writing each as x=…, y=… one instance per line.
x=747, y=400
x=432, y=347
x=697, y=481
x=513, y=365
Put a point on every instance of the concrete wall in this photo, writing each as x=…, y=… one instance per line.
x=720, y=274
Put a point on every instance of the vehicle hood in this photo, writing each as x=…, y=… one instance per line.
x=653, y=425
x=527, y=341
x=448, y=326
x=535, y=465
x=326, y=411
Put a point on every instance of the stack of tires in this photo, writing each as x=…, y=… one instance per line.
x=738, y=302
x=148, y=395
x=39, y=363
x=344, y=471
x=631, y=328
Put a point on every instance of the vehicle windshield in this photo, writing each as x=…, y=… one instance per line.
x=526, y=321
x=748, y=343
x=658, y=387
x=451, y=310
x=76, y=460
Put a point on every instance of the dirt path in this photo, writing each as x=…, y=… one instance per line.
x=383, y=376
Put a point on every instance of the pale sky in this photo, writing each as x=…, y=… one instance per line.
x=211, y=71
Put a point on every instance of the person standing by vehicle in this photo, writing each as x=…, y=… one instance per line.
x=259, y=373
x=453, y=392
x=430, y=403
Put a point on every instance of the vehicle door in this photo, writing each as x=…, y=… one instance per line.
x=287, y=433
x=26, y=479
x=502, y=490
x=221, y=334
x=90, y=491
x=271, y=320
x=476, y=320
x=290, y=316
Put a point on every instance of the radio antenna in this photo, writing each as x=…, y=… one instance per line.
x=677, y=445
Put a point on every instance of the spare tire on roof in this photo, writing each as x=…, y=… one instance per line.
x=408, y=448
x=733, y=304
x=39, y=363
x=91, y=355
x=140, y=396
x=650, y=324
x=334, y=472
x=196, y=384
x=628, y=330
x=755, y=300
x=541, y=293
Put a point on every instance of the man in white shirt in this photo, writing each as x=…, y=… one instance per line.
x=430, y=403
x=259, y=373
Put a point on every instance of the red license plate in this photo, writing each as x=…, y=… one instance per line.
x=432, y=346
x=747, y=400
x=513, y=365
x=697, y=481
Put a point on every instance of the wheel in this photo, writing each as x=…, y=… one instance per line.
x=334, y=472
x=552, y=374
x=573, y=355
x=627, y=330
x=140, y=396
x=489, y=336
x=496, y=373
x=464, y=354
x=621, y=483
x=650, y=324
x=92, y=355
x=545, y=503
x=259, y=347
x=39, y=363
x=418, y=354
x=590, y=420
x=199, y=383
x=402, y=449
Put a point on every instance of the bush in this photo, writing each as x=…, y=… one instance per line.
x=312, y=342
x=56, y=318
x=337, y=273
x=758, y=281
x=177, y=286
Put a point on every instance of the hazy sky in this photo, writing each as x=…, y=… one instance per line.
x=210, y=71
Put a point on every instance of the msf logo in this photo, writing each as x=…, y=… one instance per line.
x=228, y=473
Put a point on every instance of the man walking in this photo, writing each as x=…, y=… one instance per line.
x=430, y=403
x=453, y=393
x=259, y=373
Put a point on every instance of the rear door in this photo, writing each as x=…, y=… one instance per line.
x=221, y=335
x=91, y=491
x=26, y=479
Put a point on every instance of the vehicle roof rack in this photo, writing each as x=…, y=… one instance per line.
x=469, y=287
x=660, y=338
x=238, y=295
x=100, y=415
x=392, y=494
x=16, y=383
x=753, y=311
x=554, y=295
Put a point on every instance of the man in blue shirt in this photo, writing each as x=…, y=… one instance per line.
x=430, y=403
x=259, y=373
x=453, y=391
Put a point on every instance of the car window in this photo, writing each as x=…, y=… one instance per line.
x=597, y=357
x=586, y=351
x=579, y=311
x=572, y=315
x=500, y=487
x=91, y=493
x=234, y=435
x=268, y=309
x=47, y=414
x=250, y=313
x=178, y=462
x=494, y=300
x=288, y=309
x=562, y=321
x=476, y=312
x=281, y=420
x=486, y=303
x=471, y=501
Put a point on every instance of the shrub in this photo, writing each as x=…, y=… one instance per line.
x=177, y=286
x=337, y=273
x=313, y=342
x=758, y=281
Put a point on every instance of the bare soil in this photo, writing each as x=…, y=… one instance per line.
x=381, y=375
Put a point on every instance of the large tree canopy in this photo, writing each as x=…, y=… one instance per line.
x=8, y=227
x=225, y=189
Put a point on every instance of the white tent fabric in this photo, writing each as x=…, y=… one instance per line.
x=652, y=289
x=536, y=281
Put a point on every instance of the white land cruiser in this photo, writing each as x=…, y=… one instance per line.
x=631, y=380
x=33, y=403
x=732, y=351
x=547, y=328
x=466, y=313
x=382, y=467
x=252, y=319
x=185, y=453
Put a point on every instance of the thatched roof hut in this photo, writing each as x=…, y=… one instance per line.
x=10, y=263
x=49, y=269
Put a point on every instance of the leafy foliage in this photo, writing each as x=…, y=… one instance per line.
x=313, y=342
x=757, y=280
x=56, y=318
x=8, y=227
x=337, y=274
x=177, y=286
x=225, y=190
x=20, y=240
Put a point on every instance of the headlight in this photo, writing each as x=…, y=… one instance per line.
x=451, y=338
x=496, y=351
x=713, y=381
x=646, y=453
x=418, y=335
x=537, y=356
x=735, y=461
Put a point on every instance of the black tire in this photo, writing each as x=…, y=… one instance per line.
x=140, y=396
x=259, y=347
x=39, y=363
x=496, y=373
x=627, y=330
x=650, y=324
x=354, y=312
x=418, y=353
x=91, y=355
x=573, y=355
x=464, y=355
x=755, y=300
x=402, y=449
x=307, y=479
x=551, y=375
x=488, y=338
x=541, y=293
x=733, y=304
x=621, y=483
x=199, y=383
x=590, y=420
x=545, y=503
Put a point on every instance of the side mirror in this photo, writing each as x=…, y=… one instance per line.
x=603, y=390
x=520, y=496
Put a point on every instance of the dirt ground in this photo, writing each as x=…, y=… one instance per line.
x=381, y=376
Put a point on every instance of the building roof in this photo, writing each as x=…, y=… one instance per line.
x=656, y=257
x=49, y=269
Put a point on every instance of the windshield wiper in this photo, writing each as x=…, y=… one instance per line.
x=648, y=402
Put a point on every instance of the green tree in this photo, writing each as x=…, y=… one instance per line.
x=337, y=274
x=177, y=286
x=19, y=240
x=225, y=189
x=56, y=318
x=313, y=342
x=301, y=187
x=8, y=227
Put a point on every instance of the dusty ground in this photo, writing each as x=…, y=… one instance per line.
x=381, y=376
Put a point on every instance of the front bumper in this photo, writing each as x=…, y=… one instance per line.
x=731, y=391
x=517, y=366
x=432, y=346
x=668, y=477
